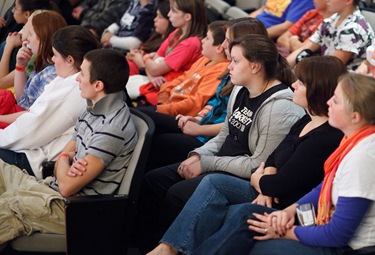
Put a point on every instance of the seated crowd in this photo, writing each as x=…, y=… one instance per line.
x=255, y=118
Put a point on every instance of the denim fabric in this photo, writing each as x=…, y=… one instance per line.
x=18, y=159
x=234, y=237
x=290, y=247
x=206, y=211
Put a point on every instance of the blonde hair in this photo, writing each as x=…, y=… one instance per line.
x=359, y=91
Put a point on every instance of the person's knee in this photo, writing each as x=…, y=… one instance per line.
x=215, y=180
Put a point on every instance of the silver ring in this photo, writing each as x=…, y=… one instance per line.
x=265, y=231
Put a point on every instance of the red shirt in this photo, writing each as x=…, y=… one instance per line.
x=306, y=25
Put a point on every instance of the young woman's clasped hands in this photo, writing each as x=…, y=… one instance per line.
x=274, y=225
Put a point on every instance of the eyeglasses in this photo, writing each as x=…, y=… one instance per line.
x=16, y=9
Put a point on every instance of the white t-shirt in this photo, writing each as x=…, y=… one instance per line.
x=355, y=177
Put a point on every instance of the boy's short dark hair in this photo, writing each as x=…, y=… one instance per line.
x=217, y=28
x=110, y=67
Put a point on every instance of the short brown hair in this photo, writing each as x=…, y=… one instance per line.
x=320, y=75
x=217, y=28
x=359, y=91
x=110, y=67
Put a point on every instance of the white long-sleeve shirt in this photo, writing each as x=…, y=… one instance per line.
x=43, y=131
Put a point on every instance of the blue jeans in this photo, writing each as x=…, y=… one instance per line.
x=290, y=247
x=206, y=211
x=234, y=237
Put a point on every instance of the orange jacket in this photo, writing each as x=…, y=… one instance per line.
x=188, y=93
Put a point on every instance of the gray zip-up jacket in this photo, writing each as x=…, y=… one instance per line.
x=272, y=121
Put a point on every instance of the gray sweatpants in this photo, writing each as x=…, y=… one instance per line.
x=28, y=206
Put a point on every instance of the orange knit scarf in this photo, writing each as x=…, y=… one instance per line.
x=325, y=206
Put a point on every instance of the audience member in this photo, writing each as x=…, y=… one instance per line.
x=134, y=27
x=163, y=28
x=189, y=92
x=260, y=114
x=22, y=10
x=301, y=31
x=104, y=139
x=39, y=134
x=279, y=15
x=344, y=200
x=345, y=35
x=176, y=54
x=309, y=143
x=41, y=26
x=103, y=14
x=8, y=24
x=175, y=137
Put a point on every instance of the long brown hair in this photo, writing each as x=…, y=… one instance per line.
x=155, y=40
x=198, y=23
x=45, y=24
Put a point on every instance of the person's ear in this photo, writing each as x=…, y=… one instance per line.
x=27, y=14
x=187, y=17
x=356, y=118
x=70, y=60
x=99, y=86
x=255, y=67
x=219, y=49
x=349, y=2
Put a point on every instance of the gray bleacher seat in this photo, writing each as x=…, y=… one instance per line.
x=249, y=5
x=219, y=5
x=370, y=17
x=234, y=13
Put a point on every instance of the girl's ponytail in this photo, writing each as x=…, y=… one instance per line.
x=285, y=72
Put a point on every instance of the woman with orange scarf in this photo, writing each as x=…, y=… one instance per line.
x=345, y=200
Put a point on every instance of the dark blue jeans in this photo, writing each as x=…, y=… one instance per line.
x=18, y=159
x=234, y=237
x=214, y=221
x=213, y=203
